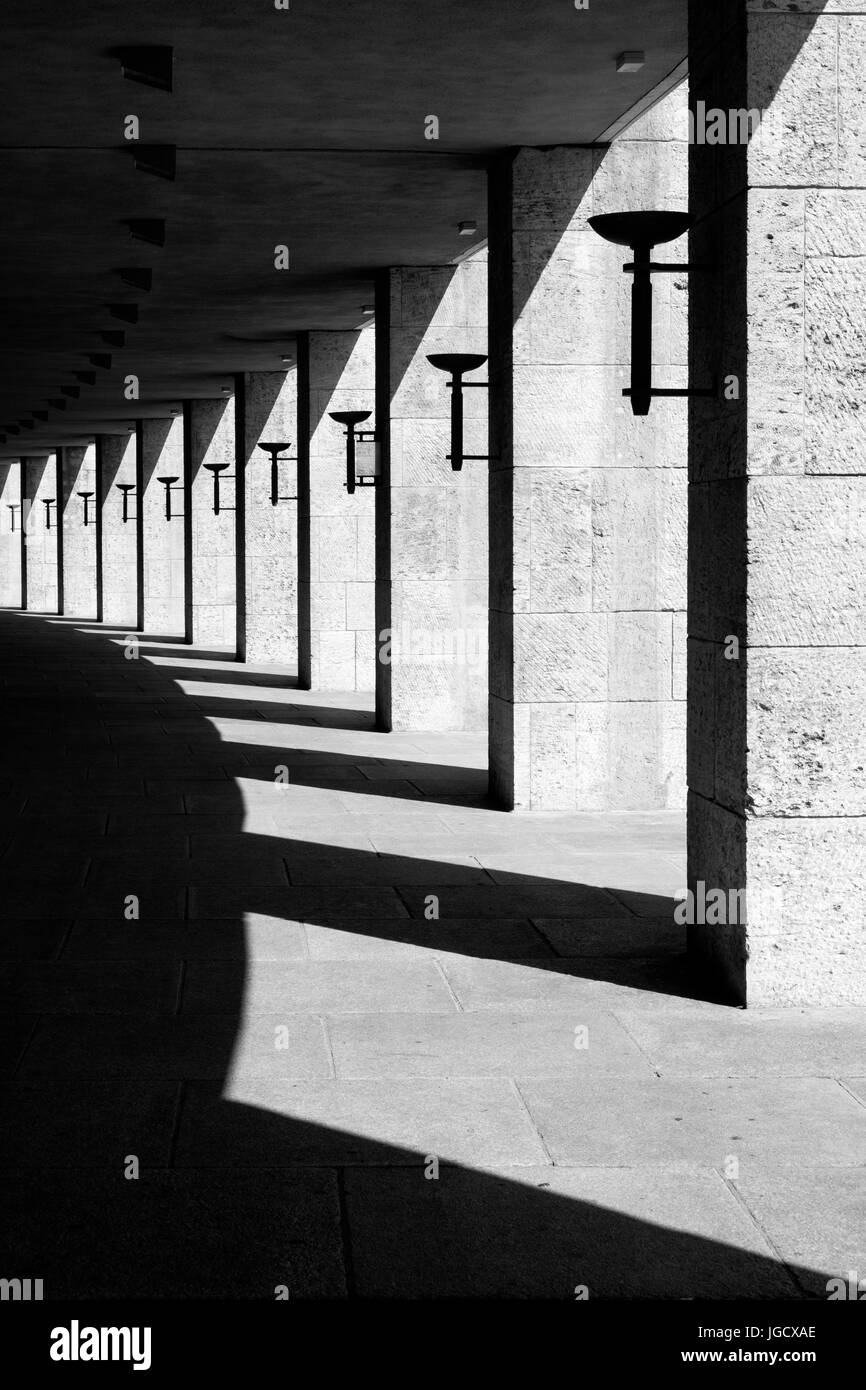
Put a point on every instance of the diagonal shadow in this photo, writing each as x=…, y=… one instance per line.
x=156, y=1040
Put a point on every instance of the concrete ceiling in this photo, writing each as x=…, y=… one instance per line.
x=302, y=127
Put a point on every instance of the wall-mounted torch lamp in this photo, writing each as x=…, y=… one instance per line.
x=642, y=231
x=274, y=451
x=217, y=469
x=363, y=451
x=168, y=483
x=125, y=489
x=13, y=508
x=457, y=363
x=48, y=503
x=86, y=497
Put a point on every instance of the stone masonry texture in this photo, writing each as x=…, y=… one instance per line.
x=588, y=502
x=777, y=544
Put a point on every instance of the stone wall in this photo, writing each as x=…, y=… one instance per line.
x=118, y=570
x=10, y=540
x=433, y=519
x=588, y=502
x=268, y=591
x=40, y=483
x=78, y=547
x=777, y=545
x=160, y=454
x=337, y=561
x=211, y=611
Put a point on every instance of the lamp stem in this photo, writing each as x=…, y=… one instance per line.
x=641, y=332
x=457, y=422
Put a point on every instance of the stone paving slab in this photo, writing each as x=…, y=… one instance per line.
x=316, y=986
x=238, y=939
x=495, y=1044
x=214, y=1234
x=296, y=904
x=545, y=1232
x=814, y=1217
x=268, y=1123
x=662, y=1123
x=618, y=936
x=414, y=939
x=206, y=1047
x=94, y=1123
x=28, y=940
x=737, y=1042
x=597, y=983
x=95, y=987
x=542, y=898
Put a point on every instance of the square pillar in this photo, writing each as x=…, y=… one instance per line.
x=159, y=453
x=118, y=539
x=78, y=548
x=587, y=501
x=209, y=438
x=11, y=535
x=42, y=542
x=777, y=524
x=336, y=575
x=266, y=406
x=432, y=520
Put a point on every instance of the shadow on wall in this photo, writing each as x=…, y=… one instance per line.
x=131, y=1037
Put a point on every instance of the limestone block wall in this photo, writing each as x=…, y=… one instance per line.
x=40, y=483
x=116, y=463
x=777, y=545
x=210, y=438
x=435, y=578
x=268, y=593
x=588, y=502
x=160, y=454
x=78, y=546
x=10, y=540
x=336, y=591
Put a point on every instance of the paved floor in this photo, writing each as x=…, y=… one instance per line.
x=238, y=1045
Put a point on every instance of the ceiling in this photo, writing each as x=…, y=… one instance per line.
x=301, y=127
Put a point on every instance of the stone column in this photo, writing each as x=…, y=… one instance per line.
x=118, y=569
x=78, y=546
x=267, y=536
x=41, y=540
x=336, y=639
x=159, y=453
x=777, y=525
x=587, y=501
x=431, y=519
x=209, y=438
x=11, y=578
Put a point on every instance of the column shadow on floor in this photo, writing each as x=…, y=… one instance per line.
x=126, y=1042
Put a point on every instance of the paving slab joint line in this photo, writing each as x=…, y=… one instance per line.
x=517, y=1091
x=25, y=1046
x=743, y=1204
x=625, y=1028
x=853, y=1094
x=443, y=972
x=539, y=931
x=174, y=1136
x=63, y=942
x=328, y=1046
x=181, y=983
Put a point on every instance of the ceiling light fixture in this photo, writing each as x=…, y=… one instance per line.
x=632, y=60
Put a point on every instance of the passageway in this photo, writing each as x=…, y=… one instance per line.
x=241, y=1054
